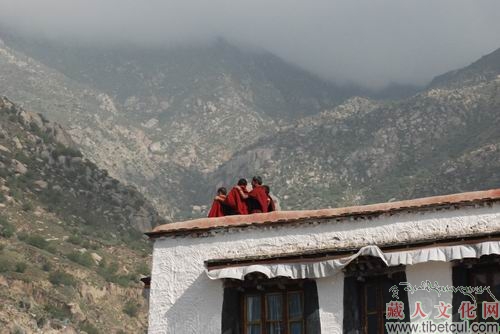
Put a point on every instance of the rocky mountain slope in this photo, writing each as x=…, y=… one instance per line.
x=162, y=119
x=485, y=69
x=442, y=140
x=177, y=123
x=71, y=250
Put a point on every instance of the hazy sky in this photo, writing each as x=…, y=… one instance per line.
x=373, y=42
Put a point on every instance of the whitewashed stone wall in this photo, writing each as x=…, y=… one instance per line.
x=331, y=300
x=434, y=272
x=184, y=300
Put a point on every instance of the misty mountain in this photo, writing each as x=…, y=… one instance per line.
x=485, y=69
x=277, y=89
x=177, y=123
x=442, y=140
x=163, y=119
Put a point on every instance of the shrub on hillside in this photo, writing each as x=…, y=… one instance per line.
x=4, y=173
x=46, y=266
x=21, y=157
x=14, y=192
x=57, y=312
x=52, y=198
x=62, y=278
x=135, y=240
x=13, y=118
x=46, y=136
x=34, y=240
x=5, y=265
x=41, y=321
x=66, y=151
x=131, y=308
x=88, y=328
x=21, y=267
x=18, y=330
x=109, y=273
x=105, y=268
x=143, y=269
x=27, y=206
x=75, y=239
x=6, y=229
x=85, y=259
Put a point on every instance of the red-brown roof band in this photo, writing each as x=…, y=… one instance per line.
x=282, y=217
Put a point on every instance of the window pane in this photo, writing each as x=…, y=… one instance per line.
x=495, y=289
x=371, y=297
x=253, y=329
x=481, y=279
x=253, y=308
x=275, y=328
x=295, y=305
x=372, y=324
x=296, y=327
x=274, y=307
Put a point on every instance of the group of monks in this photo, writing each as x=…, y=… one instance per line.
x=240, y=201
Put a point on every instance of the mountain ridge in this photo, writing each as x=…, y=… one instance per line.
x=178, y=147
x=71, y=247
x=484, y=69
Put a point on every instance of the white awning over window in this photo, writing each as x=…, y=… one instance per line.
x=328, y=268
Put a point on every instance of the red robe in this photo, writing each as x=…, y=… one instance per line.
x=270, y=204
x=216, y=210
x=235, y=202
x=259, y=199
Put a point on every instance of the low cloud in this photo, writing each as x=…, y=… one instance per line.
x=364, y=41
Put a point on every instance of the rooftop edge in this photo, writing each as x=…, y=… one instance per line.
x=283, y=217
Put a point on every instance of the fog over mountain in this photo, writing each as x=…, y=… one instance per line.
x=373, y=43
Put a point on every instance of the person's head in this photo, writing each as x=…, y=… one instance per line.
x=222, y=191
x=242, y=182
x=267, y=189
x=256, y=180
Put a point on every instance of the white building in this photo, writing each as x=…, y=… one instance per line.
x=326, y=271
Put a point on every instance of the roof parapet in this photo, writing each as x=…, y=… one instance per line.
x=285, y=217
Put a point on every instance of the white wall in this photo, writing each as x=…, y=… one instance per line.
x=184, y=300
x=331, y=303
x=434, y=272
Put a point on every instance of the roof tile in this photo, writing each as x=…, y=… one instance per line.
x=280, y=217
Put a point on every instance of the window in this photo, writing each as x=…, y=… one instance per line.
x=276, y=312
x=270, y=306
x=482, y=272
x=366, y=293
x=488, y=276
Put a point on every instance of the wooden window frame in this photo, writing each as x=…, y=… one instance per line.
x=302, y=321
x=467, y=270
x=365, y=313
x=365, y=273
x=234, y=308
x=488, y=268
x=489, y=271
x=284, y=293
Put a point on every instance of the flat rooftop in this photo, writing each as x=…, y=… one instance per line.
x=203, y=225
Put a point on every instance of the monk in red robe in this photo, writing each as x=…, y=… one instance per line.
x=217, y=209
x=257, y=197
x=270, y=202
x=236, y=199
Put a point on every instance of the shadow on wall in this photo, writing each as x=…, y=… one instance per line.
x=198, y=309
